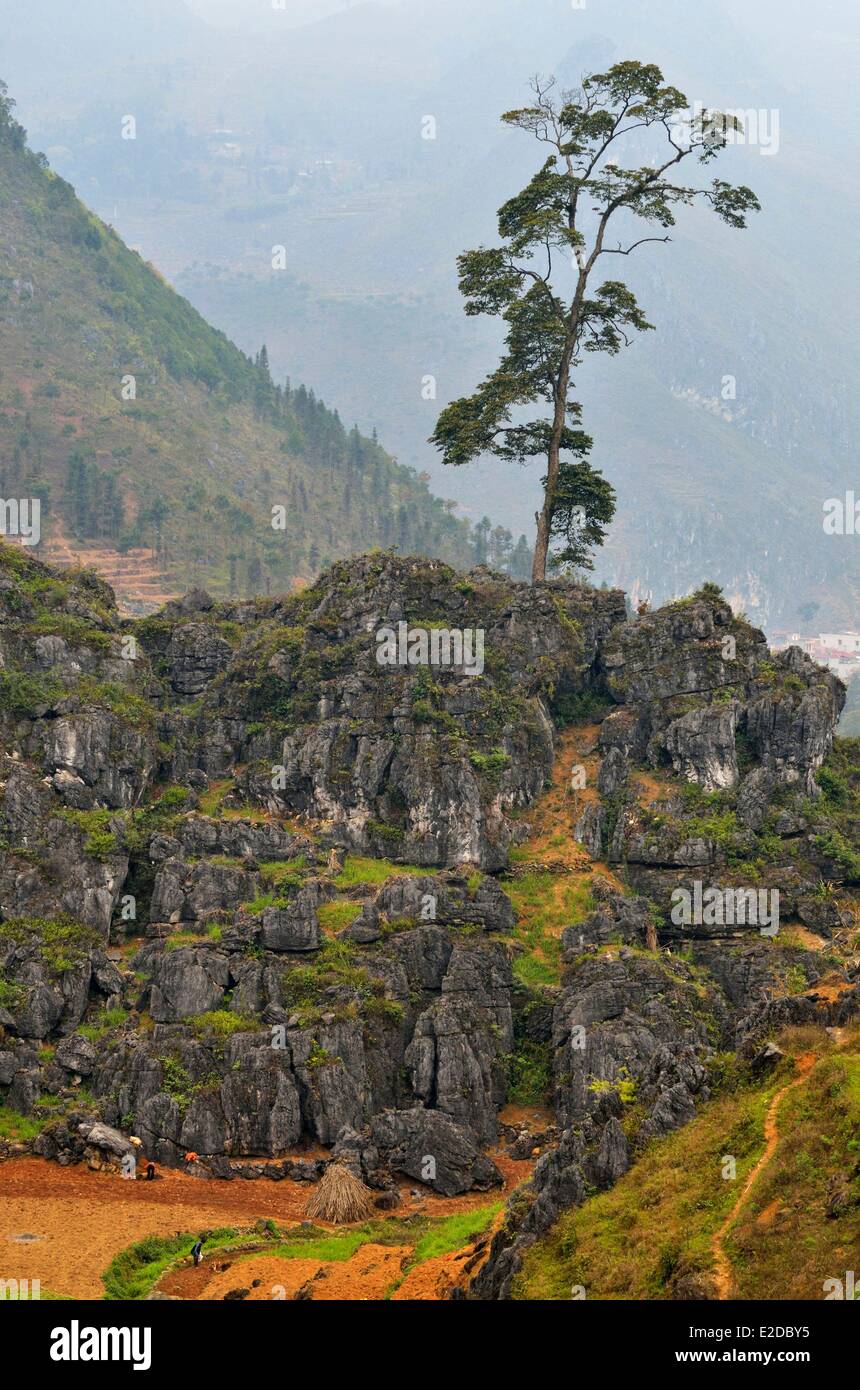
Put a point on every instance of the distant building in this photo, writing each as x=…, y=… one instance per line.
x=841, y=641
x=839, y=651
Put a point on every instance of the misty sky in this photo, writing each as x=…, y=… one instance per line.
x=814, y=47
x=242, y=12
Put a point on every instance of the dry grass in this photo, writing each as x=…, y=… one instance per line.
x=341, y=1197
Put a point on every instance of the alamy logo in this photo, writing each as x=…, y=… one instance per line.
x=76, y=1343
x=727, y=907
x=842, y=515
x=436, y=646
x=21, y=517
x=847, y=1289
x=735, y=126
x=20, y=1289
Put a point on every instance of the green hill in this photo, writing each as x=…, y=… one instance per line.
x=139, y=425
x=788, y=1222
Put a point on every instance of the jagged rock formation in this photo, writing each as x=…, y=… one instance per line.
x=252, y=881
x=737, y=732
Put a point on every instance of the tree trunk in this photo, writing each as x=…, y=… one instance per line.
x=543, y=519
x=544, y=516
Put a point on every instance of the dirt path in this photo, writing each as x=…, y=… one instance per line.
x=553, y=815
x=722, y=1266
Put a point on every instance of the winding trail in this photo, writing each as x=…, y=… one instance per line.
x=722, y=1267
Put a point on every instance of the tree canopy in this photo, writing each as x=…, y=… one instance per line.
x=553, y=235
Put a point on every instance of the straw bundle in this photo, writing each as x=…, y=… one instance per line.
x=339, y=1197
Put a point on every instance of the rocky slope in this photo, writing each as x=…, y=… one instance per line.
x=259, y=892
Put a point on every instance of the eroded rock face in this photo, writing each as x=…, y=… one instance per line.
x=198, y=836
x=192, y=892
x=457, y=1055
x=702, y=746
x=448, y=900
x=108, y=756
x=691, y=679
x=47, y=871
x=374, y=754
x=420, y=1019
x=76, y=1055
x=195, y=656
x=624, y=1029
x=434, y=1149
x=705, y=708
x=49, y=992
x=186, y=982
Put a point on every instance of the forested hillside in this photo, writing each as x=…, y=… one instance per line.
x=139, y=426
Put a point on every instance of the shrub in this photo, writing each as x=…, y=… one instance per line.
x=221, y=1023
x=62, y=941
x=834, y=846
x=100, y=841
x=833, y=785
x=529, y=1073
x=490, y=763
x=22, y=695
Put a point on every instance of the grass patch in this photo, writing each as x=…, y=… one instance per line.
x=357, y=871
x=105, y=1021
x=545, y=903
x=453, y=1233
x=20, y=1128
x=132, y=1273
x=337, y=916
x=279, y=873
x=209, y=802
x=135, y=1271
x=177, y=940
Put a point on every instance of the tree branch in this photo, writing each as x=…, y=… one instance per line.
x=617, y=251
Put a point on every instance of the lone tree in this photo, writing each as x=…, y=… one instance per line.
x=553, y=235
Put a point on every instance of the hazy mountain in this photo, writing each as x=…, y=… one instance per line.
x=256, y=131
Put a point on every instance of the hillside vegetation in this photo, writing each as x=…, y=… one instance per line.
x=653, y=1235
x=138, y=425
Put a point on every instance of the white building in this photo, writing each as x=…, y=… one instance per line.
x=848, y=642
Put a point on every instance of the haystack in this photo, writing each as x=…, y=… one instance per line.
x=339, y=1197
